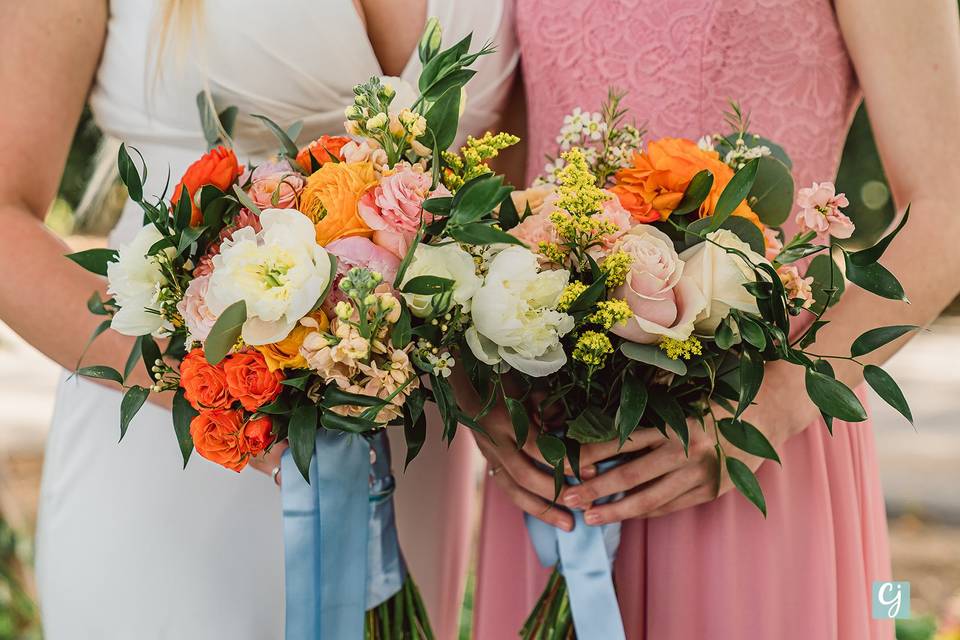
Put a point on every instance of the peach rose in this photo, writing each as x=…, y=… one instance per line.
x=217, y=167
x=664, y=301
x=204, y=385
x=661, y=174
x=320, y=149
x=250, y=380
x=218, y=436
x=285, y=354
x=394, y=208
x=331, y=196
x=258, y=435
x=275, y=185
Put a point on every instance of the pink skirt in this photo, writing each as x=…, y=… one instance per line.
x=720, y=570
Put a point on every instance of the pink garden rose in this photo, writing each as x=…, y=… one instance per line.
x=393, y=208
x=357, y=251
x=276, y=180
x=820, y=210
x=193, y=309
x=664, y=301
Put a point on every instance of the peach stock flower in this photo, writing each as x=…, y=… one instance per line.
x=320, y=149
x=250, y=380
x=331, y=196
x=285, y=354
x=218, y=436
x=204, y=385
x=796, y=286
x=820, y=210
x=217, y=167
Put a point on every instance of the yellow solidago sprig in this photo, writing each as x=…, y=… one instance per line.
x=681, y=349
x=592, y=349
x=610, y=313
x=577, y=186
x=473, y=158
x=616, y=266
x=570, y=295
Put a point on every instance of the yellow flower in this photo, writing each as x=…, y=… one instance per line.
x=578, y=188
x=570, y=294
x=285, y=354
x=330, y=199
x=617, y=266
x=677, y=349
x=592, y=348
x=611, y=312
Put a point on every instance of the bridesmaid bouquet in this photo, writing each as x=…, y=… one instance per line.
x=671, y=284
x=304, y=299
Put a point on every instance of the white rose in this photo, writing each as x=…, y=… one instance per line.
x=448, y=261
x=134, y=281
x=514, y=315
x=721, y=276
x=280, y=273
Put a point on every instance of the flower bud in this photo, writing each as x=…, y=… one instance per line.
x=429, y=43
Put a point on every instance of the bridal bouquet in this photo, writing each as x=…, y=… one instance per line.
x=304, y=298
x=665, y=283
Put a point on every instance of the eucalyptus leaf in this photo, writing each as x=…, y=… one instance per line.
x=287, y=146
x=225, y=332
x=771, y=196
x=734, y=193
x=591, y=426
x=741, y=227
x=820, y=270
x=653, y=355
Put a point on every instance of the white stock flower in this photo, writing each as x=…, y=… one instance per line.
x=514, y=315
x=721, y=276
x=447, y=261
x=280, y=273
x=134, y=281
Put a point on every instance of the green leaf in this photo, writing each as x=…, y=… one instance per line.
x=667, y=407
x=334, y=397
x=697, y=191
x=302, y=436
x=875, y=278
x=442, y=118
x=245, y=200
x=183, y=211
x=826, y=369
x=833, y=397
x=551, y=448
x=653, y=355
x=887, y=388
x=438, y=205
x=350, y=424
x=741, y=227
x=287, y=146
x=183, y=415
x=508, y=216
x=589, y=296
x=228, y=118
x=427, y=285
x=476, y=198
x=747, y=437
x=94, y=260
x=752, y=332
x=208, y=119
x=101, y=372
x=771, y=196
x=819, y=269
x=135, y=353
x=734, y=193
x=401, y=333
x=633, y=402
x=225, y=332
x=429, y=43
x=591, y=426
x=150, y=352
x=129, y=174
x=870, y=255
x=187, y=237
x=724, y=336
x=298, y=382
x=132, y=400
x=407, y=259
x=330, y=280
x=478, y=233
x=751, y=377
x=519, y=418
x=746, y=483
x=876, y=338
x=96, y=306
x=414, y=426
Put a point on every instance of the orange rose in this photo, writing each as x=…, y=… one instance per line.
x=320, y=149
x=204, y=385
x=661, y=174
x=218, y=437
x=330, y=200
x=217, y=167
x=250, y=380
x=258, y=435
x=285, y=354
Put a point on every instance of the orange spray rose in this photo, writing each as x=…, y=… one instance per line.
x=250, y=380
x=217, y=167
x=218, y=436
x=331, y=196
x=258, y=435
x=204, y=385
x=320, y=149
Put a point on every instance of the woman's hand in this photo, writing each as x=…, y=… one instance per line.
x=269, y=461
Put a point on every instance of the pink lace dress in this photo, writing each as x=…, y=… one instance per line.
x=719, y=571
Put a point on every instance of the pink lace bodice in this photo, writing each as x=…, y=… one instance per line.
x=681, y=61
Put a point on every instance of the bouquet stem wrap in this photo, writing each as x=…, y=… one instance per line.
x=342, y=555
x=584, y=557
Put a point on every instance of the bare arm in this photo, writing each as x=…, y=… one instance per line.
x=51, y=51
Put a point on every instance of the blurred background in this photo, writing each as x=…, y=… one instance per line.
x=920, y=466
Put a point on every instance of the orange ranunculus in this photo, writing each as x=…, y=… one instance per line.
x=331, y=196
x=204, y=385
x=218, y=436
x=285, y=354
x=661, y=174
x=217, y=167
x=250, y=380
x=320, y=149
x=258, y=434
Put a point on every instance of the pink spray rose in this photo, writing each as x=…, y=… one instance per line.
x=393, y=208
x=664, y=301
x=193, y=309
x=275, y=185
x=820, y=210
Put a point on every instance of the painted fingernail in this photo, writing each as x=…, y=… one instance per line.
x=592, y=518
x=572, y=499
x=588, y=472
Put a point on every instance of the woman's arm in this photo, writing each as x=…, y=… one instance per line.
x=907, y=57
x=51, y=52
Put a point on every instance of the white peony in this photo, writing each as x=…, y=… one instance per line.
x=134, y=281
x=515, y=319
x=280, y=273
x=447, y=261
x=721, y=276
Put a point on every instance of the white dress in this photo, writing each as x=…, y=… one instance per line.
x=131, y=547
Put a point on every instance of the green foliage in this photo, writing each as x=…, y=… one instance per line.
x=225, y=332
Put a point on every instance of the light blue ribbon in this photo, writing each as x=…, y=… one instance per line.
x=340, y=541
x=585, y=558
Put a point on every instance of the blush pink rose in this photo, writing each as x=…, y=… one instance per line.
x=664, y=301
x=820, y=210
x=394, y=208
x=193, y=309
x=357, y=251
x=613, y=213
x=275, y=185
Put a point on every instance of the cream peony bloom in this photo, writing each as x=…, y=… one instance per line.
x=514, y=315
x=280, y=273
x=447, y=261
x=134, y=281
x=721, y=276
